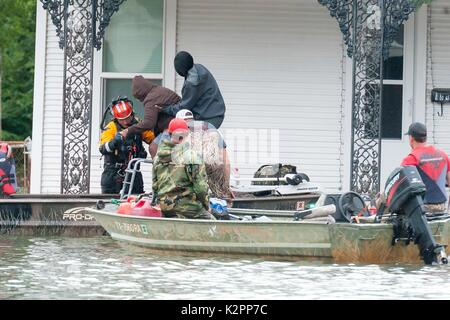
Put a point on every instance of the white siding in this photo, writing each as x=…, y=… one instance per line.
x=438, y=72
x=52, y=124
x=96, y=168
x=279, y=65
x=50, y=174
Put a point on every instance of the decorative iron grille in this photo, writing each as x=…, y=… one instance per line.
x=369, y=28
x=80, y=26
x=366, y=101
x=78, y=37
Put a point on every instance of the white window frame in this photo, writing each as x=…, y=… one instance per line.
x=104, y=76
x=406, y=34
x=167, y=75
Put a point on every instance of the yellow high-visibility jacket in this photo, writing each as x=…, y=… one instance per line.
x=116, y=155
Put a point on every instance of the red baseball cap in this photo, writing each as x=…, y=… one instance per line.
x=178, y=124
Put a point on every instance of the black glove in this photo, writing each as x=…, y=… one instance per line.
x=114, y=143
x=154, y=199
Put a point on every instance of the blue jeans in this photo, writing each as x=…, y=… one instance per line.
x=216, y=121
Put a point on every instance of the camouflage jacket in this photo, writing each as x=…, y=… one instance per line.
x=179, y=179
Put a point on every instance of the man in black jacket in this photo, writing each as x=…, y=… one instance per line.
x=200, y=93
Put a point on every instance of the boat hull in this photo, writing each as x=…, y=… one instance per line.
x=341, y=242
x=47, y=215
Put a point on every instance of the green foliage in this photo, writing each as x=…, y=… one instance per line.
x=419, y=3
x=17, y=38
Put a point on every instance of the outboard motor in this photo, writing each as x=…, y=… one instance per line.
x=404, y=196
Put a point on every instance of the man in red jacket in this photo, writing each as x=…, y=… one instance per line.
x=433, y=166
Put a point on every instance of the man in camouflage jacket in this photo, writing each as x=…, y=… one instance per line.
x=179, y=177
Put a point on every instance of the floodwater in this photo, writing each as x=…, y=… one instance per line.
x=101, y=268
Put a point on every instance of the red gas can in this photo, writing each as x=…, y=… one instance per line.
x=144, y=208
x=131, y=199
x=125, y=208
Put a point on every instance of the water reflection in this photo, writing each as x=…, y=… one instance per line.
x=100, y=268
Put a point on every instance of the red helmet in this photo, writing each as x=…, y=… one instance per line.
x=178, y=124
x=121, y=108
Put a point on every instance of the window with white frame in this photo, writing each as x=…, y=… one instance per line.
x=133, y=45
x=392, y=111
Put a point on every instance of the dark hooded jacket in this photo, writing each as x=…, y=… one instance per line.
x=151, y=95
x=201, y=95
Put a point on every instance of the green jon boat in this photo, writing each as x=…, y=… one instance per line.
x=404, y=232
x=281, y=237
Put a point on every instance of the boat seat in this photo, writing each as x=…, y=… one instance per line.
x=431, y=216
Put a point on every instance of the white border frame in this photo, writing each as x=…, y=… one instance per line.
x=38, y=99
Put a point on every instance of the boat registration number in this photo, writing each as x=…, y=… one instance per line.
x=131, y=227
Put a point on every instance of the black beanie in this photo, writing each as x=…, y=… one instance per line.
x=183, y=63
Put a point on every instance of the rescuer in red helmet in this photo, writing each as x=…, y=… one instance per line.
x=8, y=181
x=117, y=151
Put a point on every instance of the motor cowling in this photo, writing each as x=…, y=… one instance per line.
x=403, y=184
x=404, y=192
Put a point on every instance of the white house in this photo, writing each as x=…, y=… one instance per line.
x=282, y=69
